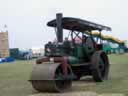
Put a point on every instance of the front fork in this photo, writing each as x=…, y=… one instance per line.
x=65, y=65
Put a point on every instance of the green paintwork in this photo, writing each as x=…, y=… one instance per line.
x=72, y=60
x=77, y=51
x=106, y=48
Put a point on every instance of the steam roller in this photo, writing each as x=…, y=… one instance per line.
x=67, y=60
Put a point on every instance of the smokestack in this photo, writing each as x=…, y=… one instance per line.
x=59, y=27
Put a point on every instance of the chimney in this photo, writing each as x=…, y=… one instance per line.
x=59, y=27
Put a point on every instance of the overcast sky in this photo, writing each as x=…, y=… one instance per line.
x=26, y=19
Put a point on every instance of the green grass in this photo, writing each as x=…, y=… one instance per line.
x=14, y=78
x=119, y=59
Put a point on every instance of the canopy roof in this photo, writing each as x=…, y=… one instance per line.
x=80, y=25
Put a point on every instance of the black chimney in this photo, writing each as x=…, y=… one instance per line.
x=59, y=27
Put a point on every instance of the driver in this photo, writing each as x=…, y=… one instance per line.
x=67, y=46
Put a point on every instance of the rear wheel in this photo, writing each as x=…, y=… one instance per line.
x=99, y=66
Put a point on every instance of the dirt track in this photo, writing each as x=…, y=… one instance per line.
x=78, y=90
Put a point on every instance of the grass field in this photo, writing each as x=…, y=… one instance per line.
x=14, y=79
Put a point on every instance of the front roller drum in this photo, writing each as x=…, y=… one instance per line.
x=50, y=78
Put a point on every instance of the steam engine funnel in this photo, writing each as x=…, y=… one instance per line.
x=59, y=27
